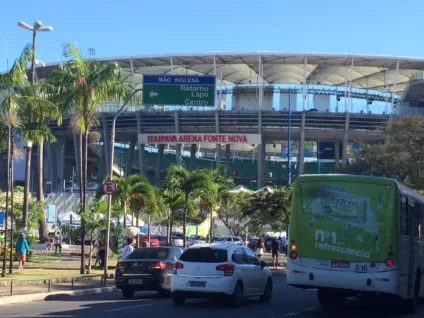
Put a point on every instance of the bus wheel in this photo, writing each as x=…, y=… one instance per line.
x=330, y=299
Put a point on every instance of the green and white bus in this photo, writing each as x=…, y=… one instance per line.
x=356, y=236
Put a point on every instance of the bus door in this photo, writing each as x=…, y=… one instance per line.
x=411, y=250
x=406, y=245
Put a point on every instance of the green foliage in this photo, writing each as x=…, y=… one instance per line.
x=401, y=158
x=269, y=208
x=190, y=184
x=231, y=209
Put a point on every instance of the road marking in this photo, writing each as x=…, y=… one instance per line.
x=292, y=314
x=125, y=308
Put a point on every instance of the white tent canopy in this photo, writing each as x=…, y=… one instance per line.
x=266, y=188
x=239, y=189
x=66, y=218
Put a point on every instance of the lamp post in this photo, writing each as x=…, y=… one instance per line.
x=109, y=200
x=38, y=26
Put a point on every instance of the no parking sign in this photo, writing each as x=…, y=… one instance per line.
x=109, y=187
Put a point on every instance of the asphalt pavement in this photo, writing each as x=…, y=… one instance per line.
x=287, y=301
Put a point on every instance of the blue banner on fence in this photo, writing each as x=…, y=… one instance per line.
x=50, y=214
x=2, y=219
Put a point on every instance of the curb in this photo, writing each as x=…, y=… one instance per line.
x=17, y=299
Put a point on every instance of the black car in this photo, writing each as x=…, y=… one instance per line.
x=147, y=269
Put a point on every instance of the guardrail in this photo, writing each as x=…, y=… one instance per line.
x=49, y=287
x=86, y=277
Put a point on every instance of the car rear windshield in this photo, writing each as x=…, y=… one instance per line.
x=154, y=253
x=204, y=255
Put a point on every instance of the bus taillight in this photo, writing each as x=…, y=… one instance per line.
x=293, y=255
x=390, y=262
x=293, y=247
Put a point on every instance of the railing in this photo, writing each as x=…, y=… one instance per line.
x=30, y=280
x=88, y=277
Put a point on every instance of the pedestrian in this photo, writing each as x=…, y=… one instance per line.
x=102, y=254
x=97, y=254
x=260, y=247
x=128, y=249
x=58, y=243
x=283, y=244
x=22, y=249
x=50, y=244
x=275, y=249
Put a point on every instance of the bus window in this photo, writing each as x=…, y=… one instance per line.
x=404, y=217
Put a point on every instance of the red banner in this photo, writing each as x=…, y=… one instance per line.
x=253, y=139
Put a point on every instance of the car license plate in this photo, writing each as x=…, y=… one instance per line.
x=340, y=264
x=198, y=284
x=135, y=282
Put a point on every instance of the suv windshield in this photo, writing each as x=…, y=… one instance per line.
x=146, y=253
x=204, y=255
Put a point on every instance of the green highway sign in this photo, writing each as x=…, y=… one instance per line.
x=179, y=90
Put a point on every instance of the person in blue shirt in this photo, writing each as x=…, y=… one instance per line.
x=22, y=249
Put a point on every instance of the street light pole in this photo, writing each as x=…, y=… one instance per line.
x=36, y=27
x=109, y=200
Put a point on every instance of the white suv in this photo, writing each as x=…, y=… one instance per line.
x=223, y=270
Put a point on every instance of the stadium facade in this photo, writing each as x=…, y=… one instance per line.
x=329, y=103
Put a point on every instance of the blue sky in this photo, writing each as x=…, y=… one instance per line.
x=137, y=27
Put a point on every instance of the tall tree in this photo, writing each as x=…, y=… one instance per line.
x=177, y=177
x=83, y=85
x=231, y=209
x=20, y=103
x=269, y=209
x=401, y=158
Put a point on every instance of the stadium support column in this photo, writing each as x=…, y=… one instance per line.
x=218, y=146
x=177, y=130
x=345, y=140
x=77, y=159
x=301, y=163
x=394, y=92
x=159, y=165
x=140, y=147
x=227, y=160
x=193, y=151
x=128, y=168
x=337, y=153
x=261, y=153
x=106, y=142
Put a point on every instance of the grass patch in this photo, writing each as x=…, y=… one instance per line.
x=45, y=273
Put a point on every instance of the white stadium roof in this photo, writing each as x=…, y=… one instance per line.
x=368, y=72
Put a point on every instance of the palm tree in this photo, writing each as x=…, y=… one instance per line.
x=135, y=187
x=83, y=85
x=223, y=185
x=36, y=111
x=22, y=102
x=174, y=201
x=188, y=182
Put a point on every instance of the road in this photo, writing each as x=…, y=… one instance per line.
x=287, y=301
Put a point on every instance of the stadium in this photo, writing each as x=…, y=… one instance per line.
x=314, y=109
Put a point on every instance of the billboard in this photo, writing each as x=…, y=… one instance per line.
x=253, y=139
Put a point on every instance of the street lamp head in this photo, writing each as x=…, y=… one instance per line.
x=25, y=26
x=46, y=29
x=37, y=25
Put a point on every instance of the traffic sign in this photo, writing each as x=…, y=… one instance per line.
x=179, y=90
x=109, y=187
